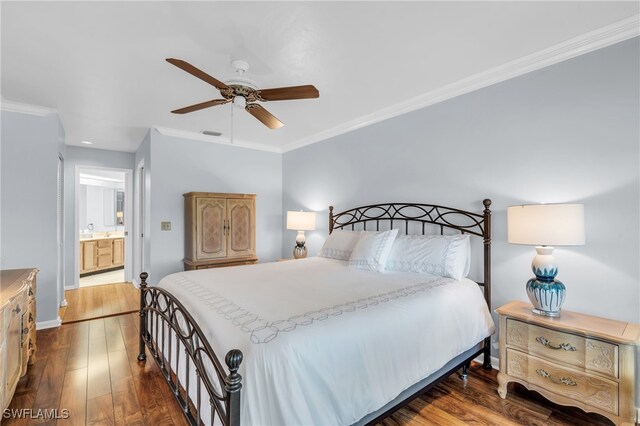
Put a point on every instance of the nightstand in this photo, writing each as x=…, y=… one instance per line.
x=579, y=360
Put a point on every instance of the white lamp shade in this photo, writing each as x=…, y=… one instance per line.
x=546, y=224
x=301, y=221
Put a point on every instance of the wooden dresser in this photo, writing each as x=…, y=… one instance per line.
x=579, y=360
x=220, y=230
x=17, y=328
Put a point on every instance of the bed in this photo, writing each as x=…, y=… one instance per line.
x=313, y=341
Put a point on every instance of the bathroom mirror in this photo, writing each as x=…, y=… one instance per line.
x=109, y=206
x=120, y=208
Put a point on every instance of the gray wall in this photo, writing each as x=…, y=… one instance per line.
x=88, y=157
x=181, y=166
x=29, y=147
x=566, y=133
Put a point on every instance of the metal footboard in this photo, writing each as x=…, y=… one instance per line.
x=170, y=332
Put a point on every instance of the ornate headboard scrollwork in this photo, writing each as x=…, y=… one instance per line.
x=444, y=217
x=466, y=222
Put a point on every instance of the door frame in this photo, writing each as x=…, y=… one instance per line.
x=128, y=220
x=140, y=205
x=62, y=301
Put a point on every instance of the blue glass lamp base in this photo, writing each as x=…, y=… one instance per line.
x=546, y=297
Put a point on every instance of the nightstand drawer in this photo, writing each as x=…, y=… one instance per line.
x=567, y=382
x=575, y=351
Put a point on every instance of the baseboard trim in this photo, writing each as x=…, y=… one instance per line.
x=41, y=325
x=101, y=317
x=495, y=364
x=135, y=283
x=69, y=287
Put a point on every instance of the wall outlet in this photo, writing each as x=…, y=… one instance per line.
x=165, y=226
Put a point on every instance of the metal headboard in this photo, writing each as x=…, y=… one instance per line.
x=462, y=221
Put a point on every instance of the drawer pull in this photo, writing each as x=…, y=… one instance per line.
x=565, y=346
x=16, y=310
x=563, y=380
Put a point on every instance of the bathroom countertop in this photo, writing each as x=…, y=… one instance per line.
x=111, y=237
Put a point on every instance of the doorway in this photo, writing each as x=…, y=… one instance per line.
x=103, y=220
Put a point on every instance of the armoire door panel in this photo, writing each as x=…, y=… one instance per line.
x=210, y=220
x=240, y=213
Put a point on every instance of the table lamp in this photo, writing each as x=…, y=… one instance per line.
x=545, y=226
x=301, y=221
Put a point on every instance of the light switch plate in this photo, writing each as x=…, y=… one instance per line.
x=165, y=226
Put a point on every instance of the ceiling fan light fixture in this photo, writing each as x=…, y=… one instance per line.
x=239, y=102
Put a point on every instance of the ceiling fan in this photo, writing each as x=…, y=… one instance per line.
x=243, y=92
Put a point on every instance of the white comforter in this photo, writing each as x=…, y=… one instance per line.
x=327, y=344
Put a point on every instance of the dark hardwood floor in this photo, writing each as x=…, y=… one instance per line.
x=90, y=368
x=100, y=301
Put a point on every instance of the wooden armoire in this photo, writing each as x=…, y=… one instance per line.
x=220, y=230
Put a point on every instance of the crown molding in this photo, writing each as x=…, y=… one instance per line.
x=222, y=140
x=585, y=43
x=10, y=106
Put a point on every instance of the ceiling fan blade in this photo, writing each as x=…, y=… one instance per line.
x=264, y=116
x=285, y=93
x=200, y=106
x=185, y=66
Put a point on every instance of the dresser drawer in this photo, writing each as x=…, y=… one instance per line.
x=577, y=385
x=104, y=243
x=104, y=251
x=104, y=261
x=576, y=351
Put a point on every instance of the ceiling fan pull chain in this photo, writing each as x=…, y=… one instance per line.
x=233, y=107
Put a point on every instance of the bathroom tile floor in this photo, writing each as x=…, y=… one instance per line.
x=104, y=278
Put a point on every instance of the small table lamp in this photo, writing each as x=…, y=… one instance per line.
x=546, y=225
x=301, y=221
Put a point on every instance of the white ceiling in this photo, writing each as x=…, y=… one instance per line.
x=101, y=64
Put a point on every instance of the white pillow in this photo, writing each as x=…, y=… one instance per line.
x=442, y=255
x=340, y=244
x=372, y=250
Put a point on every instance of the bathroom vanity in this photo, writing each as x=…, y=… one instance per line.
x=101, y=253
